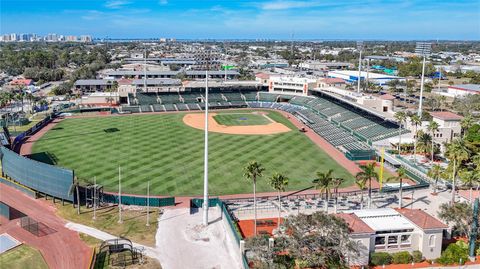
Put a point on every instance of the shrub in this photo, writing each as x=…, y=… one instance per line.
x=402, y=257
x=380, y=258
x=453, y=254
x=417, y=256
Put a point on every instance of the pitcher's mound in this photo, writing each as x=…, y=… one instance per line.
x=197, y=120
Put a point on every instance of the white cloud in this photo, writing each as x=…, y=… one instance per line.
x=282, y=5
x=116, y=3
x=163, y=2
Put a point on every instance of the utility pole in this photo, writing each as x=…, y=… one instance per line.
x=119, y=196
x=148, y=203
x=360, y=48
x=423, y=49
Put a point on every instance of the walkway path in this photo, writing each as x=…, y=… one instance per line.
x=61, y=247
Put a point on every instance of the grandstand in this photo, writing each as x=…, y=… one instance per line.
x=350, y=130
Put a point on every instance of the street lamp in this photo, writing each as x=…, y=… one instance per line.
x=360, y=49
x=422, y=49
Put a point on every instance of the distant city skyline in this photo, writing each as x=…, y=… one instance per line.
x=248, y=19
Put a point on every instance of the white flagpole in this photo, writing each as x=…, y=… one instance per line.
x=205, y=168
x=119, y=196
x=148, y=203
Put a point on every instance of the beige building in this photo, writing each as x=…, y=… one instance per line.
x=291, y=85
x=393, y=230
x=449, y=127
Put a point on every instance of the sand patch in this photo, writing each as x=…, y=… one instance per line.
x=197, y=120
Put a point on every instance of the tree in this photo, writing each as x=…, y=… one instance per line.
x=318, y=240
x=469, y=177
x=456, y=153
x=336, y=184
x=400, y=116
x=324, y=183
x=401, y=174
x=368, y=173
x=466, y=123
x=459, y=215
x=279, y=182
x=416, y=121
x=435, y=173
x=424, y=142
x=252, y=172
x=432, y=128
x=361, y=182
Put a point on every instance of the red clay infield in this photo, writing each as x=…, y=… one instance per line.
x=61, y=248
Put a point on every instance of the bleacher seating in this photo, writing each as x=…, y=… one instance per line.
x=158, y=108
x=170, y=98
x=145, y=108
x=169, y=107
x=250, y=96
x=191, y=97
x=182, y=107
x=147, y=98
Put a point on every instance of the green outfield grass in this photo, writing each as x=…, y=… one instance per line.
x=241, y=119
x=163, y=150
x=23, y=257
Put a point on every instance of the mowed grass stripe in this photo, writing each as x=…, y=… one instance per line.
x=161, y=149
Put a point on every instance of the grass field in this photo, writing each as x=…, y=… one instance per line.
x=163, y=150
x=23, y=257
x=240, y=119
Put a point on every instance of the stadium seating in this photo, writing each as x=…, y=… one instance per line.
x=147, y=99
x=170, y=98
x=250, y=96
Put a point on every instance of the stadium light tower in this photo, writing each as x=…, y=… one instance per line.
x=422, y=49
x=360, y=48
x=206, y=58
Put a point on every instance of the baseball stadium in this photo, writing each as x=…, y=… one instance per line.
x=149, y=152
x=158, y=138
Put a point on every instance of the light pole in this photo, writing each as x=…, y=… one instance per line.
x=119, y=196
x=360, y=48
x=423, y=49
x=205, y=163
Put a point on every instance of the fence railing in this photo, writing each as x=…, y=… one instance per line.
x=139, y=200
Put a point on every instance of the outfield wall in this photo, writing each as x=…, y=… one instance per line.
x=41, y=177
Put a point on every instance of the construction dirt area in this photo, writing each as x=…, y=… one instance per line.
x=182, y=242
x=197, y=120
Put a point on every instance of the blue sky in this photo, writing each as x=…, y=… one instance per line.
x=275, y=19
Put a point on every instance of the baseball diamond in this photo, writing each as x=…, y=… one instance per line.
x=162, y=149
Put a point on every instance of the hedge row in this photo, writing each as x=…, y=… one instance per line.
x=402, y=257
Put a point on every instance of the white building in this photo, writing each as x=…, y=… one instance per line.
x=352, y=76
x=291, y=85
x=393, y=230
x=463, y=90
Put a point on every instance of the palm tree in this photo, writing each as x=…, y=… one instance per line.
x=466, y=123
x=456, y=153
x=435, y=172
x=279, y=182
x=400, y=116
x=323, y=183
x=432, y=128
x=368, y=173
x=336, y=184
x=401, y=173
x=469, y=178
x=361, y=182
x=416, y=121
x=252, y=171
x=424, y=142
